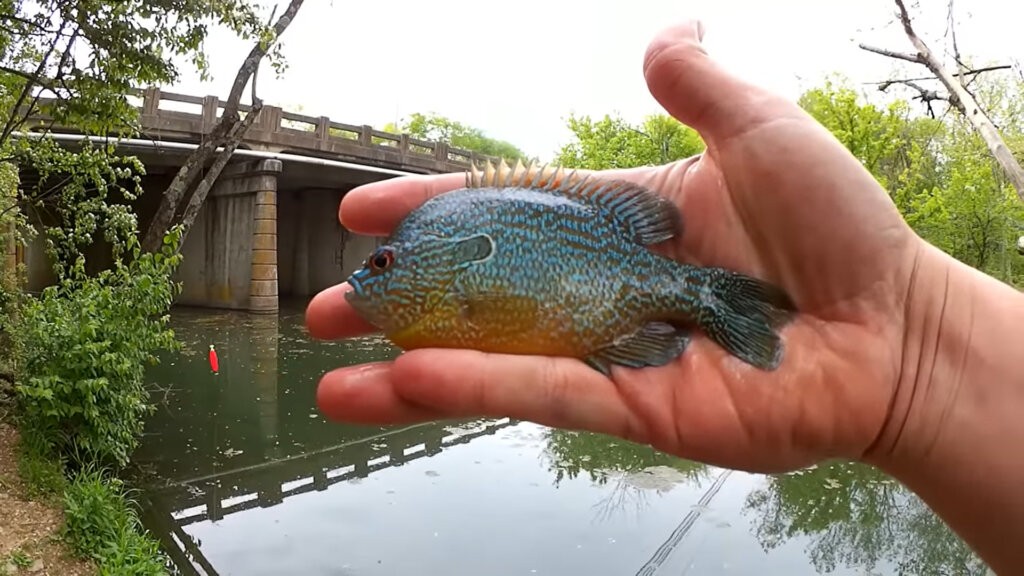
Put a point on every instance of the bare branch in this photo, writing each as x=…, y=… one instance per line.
x=916, y=59
x=925, y=95
x=13, y=121
x=964, y=74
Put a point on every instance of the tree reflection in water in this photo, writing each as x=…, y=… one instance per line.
x=634, y=470
x=857, y=517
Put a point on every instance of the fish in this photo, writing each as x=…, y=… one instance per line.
x=536, y=259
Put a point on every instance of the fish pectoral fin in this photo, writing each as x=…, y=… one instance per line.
x=654, y=344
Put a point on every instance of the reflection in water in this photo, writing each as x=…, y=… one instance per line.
x=241, y=474
x=859, y=518
x=634, y=470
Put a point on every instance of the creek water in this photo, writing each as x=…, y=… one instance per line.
x=239, y=473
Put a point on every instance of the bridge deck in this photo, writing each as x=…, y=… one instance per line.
x=277, y=130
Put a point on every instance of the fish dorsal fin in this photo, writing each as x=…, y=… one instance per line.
x=648, y=217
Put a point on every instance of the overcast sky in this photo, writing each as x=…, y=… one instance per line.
x=518, y=69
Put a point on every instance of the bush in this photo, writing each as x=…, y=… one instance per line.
x=86, y=344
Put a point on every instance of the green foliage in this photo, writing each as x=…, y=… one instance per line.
x=87, y=342
x=77, y=204
x=938, y=171
x=897, y=148
x=20, y=559
x=611, y=142
x=432, y=126
x=88, y=54
x=101, y=522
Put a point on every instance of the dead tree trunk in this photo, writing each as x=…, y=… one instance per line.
x=194, y=179
x=958, y=97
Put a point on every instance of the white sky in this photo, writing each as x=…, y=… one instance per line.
x=518, y=69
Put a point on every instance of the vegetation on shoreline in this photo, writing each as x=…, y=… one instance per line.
x=73, y=359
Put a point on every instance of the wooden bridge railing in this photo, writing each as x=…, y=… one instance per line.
x=278, y=130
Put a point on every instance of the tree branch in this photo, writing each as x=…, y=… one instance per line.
x=204, y=186
x=228, y=132
x=959, y=98
x=915, y=58
x=12, y=121
x=925, y=95
x=964, y=74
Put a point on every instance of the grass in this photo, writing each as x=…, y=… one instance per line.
x=101, y=521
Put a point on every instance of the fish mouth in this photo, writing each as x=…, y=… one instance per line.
x=362, y=303
x=357, y=286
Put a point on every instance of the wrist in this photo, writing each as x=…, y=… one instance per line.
x=957, y=416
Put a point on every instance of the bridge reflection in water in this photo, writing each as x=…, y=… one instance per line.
x=206, y=499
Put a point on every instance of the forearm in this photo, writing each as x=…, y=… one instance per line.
x=957, y=433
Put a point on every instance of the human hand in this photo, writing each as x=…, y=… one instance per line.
x=774, y=196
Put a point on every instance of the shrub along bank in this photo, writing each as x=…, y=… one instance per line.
x=77, y=355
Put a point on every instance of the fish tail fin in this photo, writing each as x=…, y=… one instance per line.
x=743, y=315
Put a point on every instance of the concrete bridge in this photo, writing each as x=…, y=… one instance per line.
x=269, y=227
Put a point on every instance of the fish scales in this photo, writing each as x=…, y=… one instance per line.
x=530, y=260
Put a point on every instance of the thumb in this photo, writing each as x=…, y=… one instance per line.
x=698, y=92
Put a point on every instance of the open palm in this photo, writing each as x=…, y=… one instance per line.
x=774, y=196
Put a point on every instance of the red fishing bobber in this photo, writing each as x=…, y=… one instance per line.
x=213, y=359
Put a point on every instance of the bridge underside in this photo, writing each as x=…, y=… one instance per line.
x=268, y=229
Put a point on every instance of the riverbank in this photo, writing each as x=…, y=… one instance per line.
x=30, y=526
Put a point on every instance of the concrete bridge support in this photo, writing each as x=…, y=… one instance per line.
x=231, y=251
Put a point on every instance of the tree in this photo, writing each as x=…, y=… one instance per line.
x=938, y=172
x=76, y=63
x=611, y=142
x=433, y=126
x=228, y=133
x=959, y=96
x=898, y=149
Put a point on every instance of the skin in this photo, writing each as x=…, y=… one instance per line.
x=900, y=356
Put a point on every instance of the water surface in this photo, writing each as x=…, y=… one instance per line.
x=242, y=475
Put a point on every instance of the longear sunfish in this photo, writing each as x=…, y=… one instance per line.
x=531, y=260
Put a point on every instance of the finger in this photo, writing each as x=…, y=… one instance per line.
x=329, y=316
x=557, y=392
x=364, y=395
x=375, y=209
x=700, y=93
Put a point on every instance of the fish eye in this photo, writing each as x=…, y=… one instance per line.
x=382, y=259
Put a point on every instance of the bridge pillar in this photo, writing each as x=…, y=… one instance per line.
x=241, y=242
x=263, y=285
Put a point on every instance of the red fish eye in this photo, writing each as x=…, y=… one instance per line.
x=382, y=259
